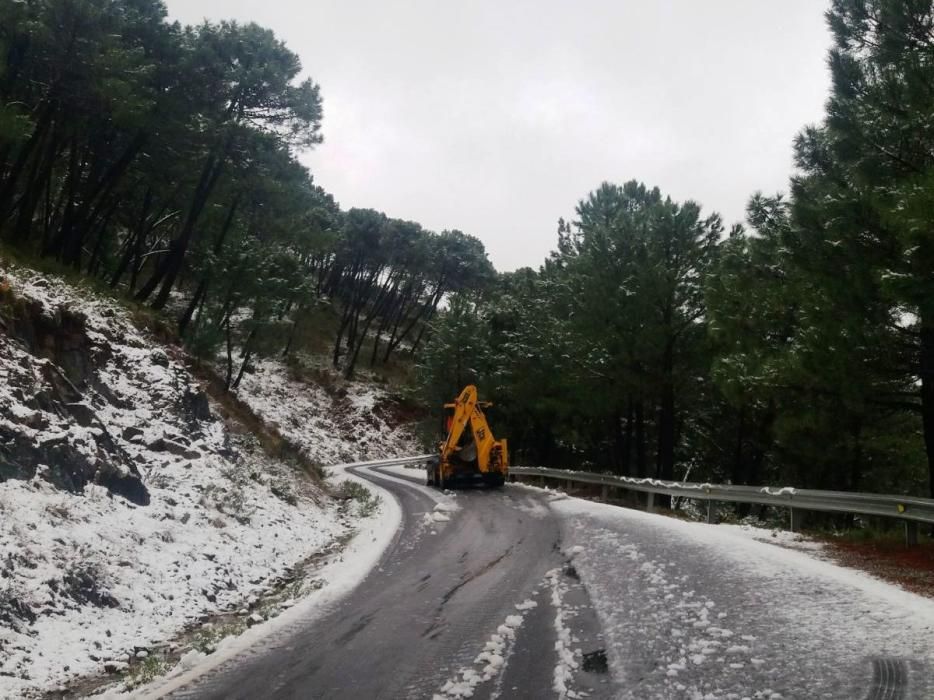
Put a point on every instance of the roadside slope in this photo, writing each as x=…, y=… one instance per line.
x=132, y=510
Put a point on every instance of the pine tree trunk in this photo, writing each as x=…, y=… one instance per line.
x=170, y=265
x=100, y=239
x=739, y=467
x=72, y=237
x=345, y=321
x=246, y=355
x=665, y=466
x=8, y=187
x=640, y=439
x=39, y=174
x=195, y=302
x=856, y=466
x=202, y=290
x=352, y=365
x=619, y=441
x=229, y=341
x=739, y=475
x=293, y=331
x=927, y=395
x=666, y=424
x=132, y=244
x=627, y=448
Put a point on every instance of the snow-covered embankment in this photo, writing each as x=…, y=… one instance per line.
x=130, y=509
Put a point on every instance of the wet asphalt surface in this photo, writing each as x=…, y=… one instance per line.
x=441, y=590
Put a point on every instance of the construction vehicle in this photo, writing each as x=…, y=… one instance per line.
x=470, y=454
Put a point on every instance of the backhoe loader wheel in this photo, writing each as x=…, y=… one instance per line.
x=495, y=481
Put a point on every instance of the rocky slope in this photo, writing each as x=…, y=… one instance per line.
x=130, y=507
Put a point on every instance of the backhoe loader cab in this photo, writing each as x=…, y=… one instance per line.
x=469, y=453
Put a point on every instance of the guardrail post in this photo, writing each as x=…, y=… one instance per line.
x=911, y=533
x=711, y=514
x=650, y=502
x=605, y=492
x=797, y=519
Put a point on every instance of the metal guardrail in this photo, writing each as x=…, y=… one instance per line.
x=910, y=509
x=392, y=462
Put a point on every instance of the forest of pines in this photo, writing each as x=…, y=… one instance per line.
x=161, y=161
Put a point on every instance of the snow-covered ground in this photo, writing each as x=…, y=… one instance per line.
x=341, y=572
x=345, y=422
x=699, y=611
x=130, y=510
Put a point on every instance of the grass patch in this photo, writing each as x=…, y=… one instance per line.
x=366, y=501
x=207, y=638
x=152, y=667
x=871, y=534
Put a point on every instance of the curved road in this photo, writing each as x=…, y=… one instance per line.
x=443, y=589
x=483, y=602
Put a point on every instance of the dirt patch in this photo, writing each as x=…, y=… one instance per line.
x=396, y=411
x=909, y=567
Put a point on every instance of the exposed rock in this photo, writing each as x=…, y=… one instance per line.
x=196, y=405
x=158, y=357
x=82, y=413
x=132, y=434
x=83, y=585
x=108, y=395
x=71, y=466
x=58, y=336
x=14, y=613
x=62, y=387
x=175, y=437
x=175, y=448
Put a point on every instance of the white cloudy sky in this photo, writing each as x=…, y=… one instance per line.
x=496, y=117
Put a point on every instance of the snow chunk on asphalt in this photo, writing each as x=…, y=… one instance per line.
x=489, y=663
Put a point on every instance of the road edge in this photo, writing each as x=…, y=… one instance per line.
x=344, y=573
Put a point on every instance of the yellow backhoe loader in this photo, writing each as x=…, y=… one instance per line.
x=470, y=453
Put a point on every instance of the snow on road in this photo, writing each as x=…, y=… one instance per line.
x=699, y=611
x=489, y=663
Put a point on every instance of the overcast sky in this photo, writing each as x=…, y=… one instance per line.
x=496, y=117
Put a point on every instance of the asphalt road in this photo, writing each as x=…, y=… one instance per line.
x=701, y=611
x=440, y=593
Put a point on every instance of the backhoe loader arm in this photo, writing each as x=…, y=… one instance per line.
x=469, y=452
x=464, y=407
x=483, y=438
